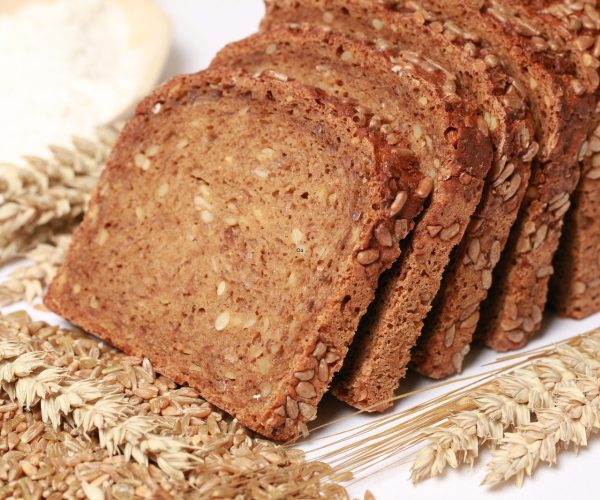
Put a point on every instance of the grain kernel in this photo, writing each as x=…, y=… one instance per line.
x=377, y=24
x=152, y=150
x=305, y=375
x=309, y=412
x=424, y=188
x=222, y=321
x=291, y=408
x=102, y=237
x=141, y=161
x=366, y=257
x=261, y=172
x=398, y=203
x=417, y=131
x=207, y=216
x=297, y=236
x=306, y=390
x=162, y=190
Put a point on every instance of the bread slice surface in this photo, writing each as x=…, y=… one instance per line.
x=235, y=239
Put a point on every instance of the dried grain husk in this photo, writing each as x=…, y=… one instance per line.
x=43, y=196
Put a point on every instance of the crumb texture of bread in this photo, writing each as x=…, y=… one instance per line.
x=236, y=238
x=381, y=351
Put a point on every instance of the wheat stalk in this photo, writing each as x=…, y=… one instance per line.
x=502, y=408
x=28, y=281
x=560, y=392
x=44, y=196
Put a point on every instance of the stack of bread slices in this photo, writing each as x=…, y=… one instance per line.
x=361, y=187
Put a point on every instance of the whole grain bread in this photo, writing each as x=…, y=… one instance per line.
x=411, y=106
x=572, y=29
x=355, y=70
x=236, y=238
x=382, y=349
x=470, y=17
x=561, y=108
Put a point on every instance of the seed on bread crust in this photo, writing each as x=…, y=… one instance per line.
x=306, y=390
x=366, y=257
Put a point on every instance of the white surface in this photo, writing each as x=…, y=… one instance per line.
x=201, y=27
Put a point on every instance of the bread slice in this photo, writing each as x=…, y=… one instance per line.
x=561, y=108
x=572, y=29
x=409, y=105
x=236, y=238
x=384, y=347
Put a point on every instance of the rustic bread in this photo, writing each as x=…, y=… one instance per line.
x=481, y=75
x=435, y=360
x=314, y=58
x=239, y=258
x=370, y=78
x=561, y=108
x=397, y=94
x=572, y=29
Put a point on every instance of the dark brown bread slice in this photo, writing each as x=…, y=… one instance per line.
x=409, y=104
x=561, y=108
x=384, y=345
x=436, y=361
x=572, y=29
x=236, y=238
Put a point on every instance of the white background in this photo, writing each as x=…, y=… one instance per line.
x=201, y=28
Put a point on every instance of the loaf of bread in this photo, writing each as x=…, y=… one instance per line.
x=236, y=238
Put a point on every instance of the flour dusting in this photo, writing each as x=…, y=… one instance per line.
x=66, y=67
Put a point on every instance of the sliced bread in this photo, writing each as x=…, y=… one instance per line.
x=383, y=347
x=561, y=108
x=572, y=29
x=236, y=238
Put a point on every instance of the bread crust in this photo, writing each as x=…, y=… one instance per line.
x=103, y=289
x=573, y=31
